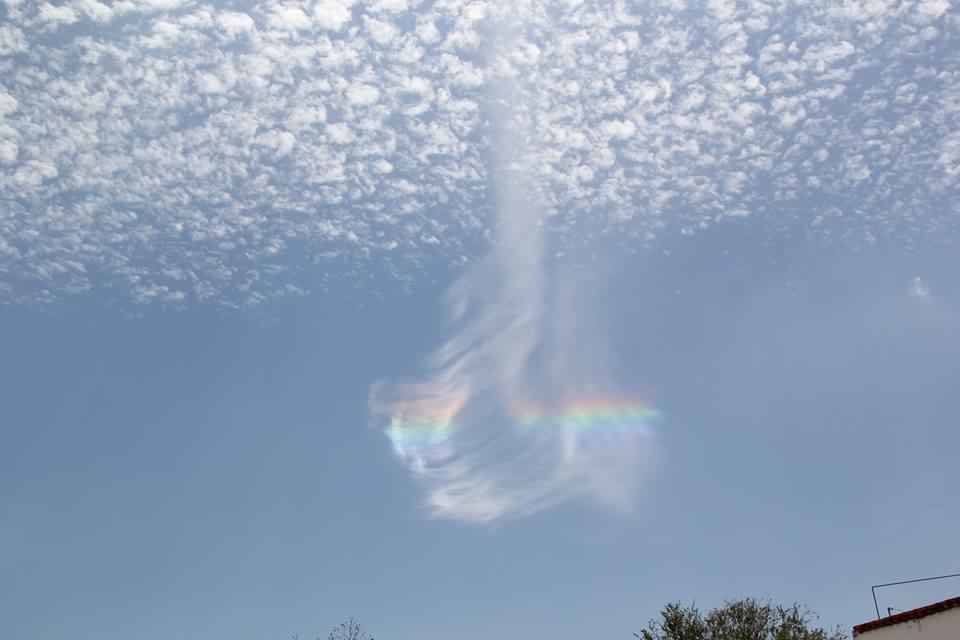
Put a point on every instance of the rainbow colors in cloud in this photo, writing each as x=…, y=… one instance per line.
x=426, y=423
x=419, y=428
x=589, y=421
x=595, y=413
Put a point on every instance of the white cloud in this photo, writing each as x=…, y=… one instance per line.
x=340, y=133
x=58, y=14
x=823, y=56
x=919, y=288
x=290, y=17
x=333, y=15
x=164, y=35
x=381, y=32
x=301, y=117
x=210, y=83
x=619, y=129
x=94, y=10
x=934, y=8
x=280, y=141
x=33, y=173
x=234, y=23
x=8, y=151
x=158, y=5
x=392, y=6
x=11, y=40
x=8, y=104
x=475, y=11
x=363, y=95
x=427, y=30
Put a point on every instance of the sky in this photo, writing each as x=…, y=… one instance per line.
x=473, y=319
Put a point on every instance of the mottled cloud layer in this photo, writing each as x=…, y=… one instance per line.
x=178, y=151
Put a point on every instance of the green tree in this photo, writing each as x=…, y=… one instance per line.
x=746, y=619
x=349, y=630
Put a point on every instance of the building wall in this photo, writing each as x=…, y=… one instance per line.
x=944, y=625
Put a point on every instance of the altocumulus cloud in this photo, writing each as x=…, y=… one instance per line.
x=181, y=151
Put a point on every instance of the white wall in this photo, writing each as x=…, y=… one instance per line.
x=939, y=626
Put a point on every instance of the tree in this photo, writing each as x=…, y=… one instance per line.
x=349, y=630
x=746, y=619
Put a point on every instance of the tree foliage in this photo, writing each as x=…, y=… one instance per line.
x=349, y=630
x=746, y=619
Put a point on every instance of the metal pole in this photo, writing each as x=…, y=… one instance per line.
x=874, y=588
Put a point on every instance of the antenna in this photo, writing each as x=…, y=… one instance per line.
x=874, y=588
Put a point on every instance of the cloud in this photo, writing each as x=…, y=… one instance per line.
x=332, y=14
x=147, y=144
x=919, y=288
x=363, y=95
x=933, y=8
x=58, y=14
x=515, y=412
x=290, y=17
x=11, y=40
x=235, y=23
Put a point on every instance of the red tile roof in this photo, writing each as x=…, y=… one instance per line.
x=907, y=616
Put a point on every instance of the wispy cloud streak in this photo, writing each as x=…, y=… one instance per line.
x=500, y=423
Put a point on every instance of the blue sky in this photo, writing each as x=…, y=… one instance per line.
x=251, y=252
x=207, y=473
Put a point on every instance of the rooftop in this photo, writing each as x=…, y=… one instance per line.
x=907, y=616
